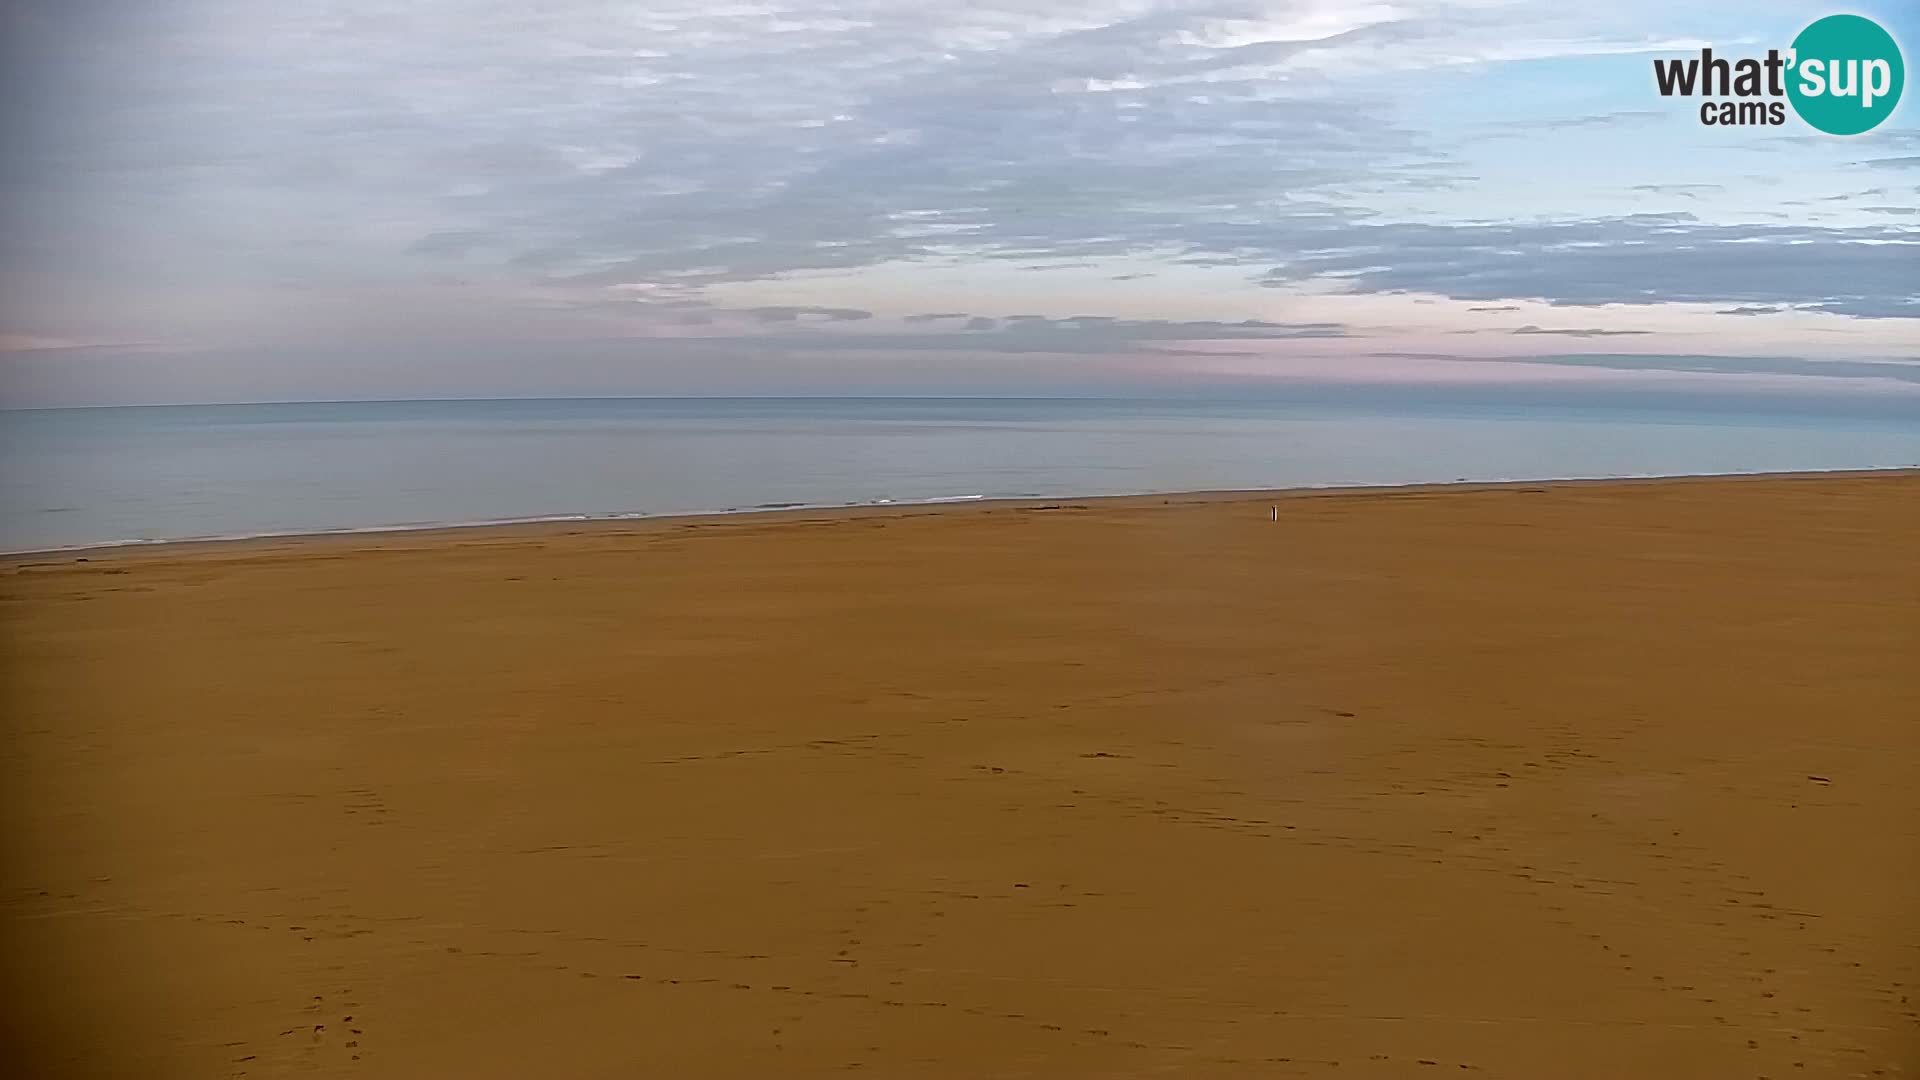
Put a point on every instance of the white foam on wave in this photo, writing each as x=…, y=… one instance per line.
x=481, y=523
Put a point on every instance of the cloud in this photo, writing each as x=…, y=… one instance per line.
x=21, y=343
x=1617, y=118
x=1583, y=332
x=1909, y=161
x=1683, y=191
x=1637, y=259
x=773, y=314
x=1612, y=119
x=225, y=169
x=1100, y=333
x=1896, y=371
x=1753, y=309
x=1023, y=334
x=677, y=143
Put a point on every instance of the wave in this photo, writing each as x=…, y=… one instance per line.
x=482, y=523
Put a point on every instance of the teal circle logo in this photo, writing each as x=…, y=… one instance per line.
x=1846, y=75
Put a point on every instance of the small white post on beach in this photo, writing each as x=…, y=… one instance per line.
x=1274, y=515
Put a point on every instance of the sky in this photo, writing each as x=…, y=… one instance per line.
x=227, y=200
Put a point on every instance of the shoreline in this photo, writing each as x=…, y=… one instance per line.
x=613, y=522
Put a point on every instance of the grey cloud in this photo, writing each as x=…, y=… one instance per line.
x=1429, y=183
x=1579, y=332
x=936, y=316
x=1611, y=119
x=1683, y=191
x=1715, y=365
x=1910, y=161
x=1107, y=332
x=962, y=152
x=681, y=145
x=1891, y=309
x=852, y=137
x=773, y=314
x=1752, y=309
x=1095, y=334
x=1638, y=259
x=1496, y=307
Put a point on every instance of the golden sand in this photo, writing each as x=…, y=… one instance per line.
x=1533, y=781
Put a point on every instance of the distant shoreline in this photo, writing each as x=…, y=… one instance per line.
x=614, y=522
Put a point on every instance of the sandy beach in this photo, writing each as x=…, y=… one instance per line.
x=1540, y=780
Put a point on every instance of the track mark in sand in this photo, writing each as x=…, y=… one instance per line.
x=324, y=1034
x=342, y=928
x=367, y=805
x=1725, y=907
x=869, y=742
x=882, y=1001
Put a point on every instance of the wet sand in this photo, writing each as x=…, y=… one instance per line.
x=1543, y=780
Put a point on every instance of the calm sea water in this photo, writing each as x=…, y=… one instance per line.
x=99, y=476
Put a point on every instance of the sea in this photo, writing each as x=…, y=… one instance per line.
x=75, y=478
